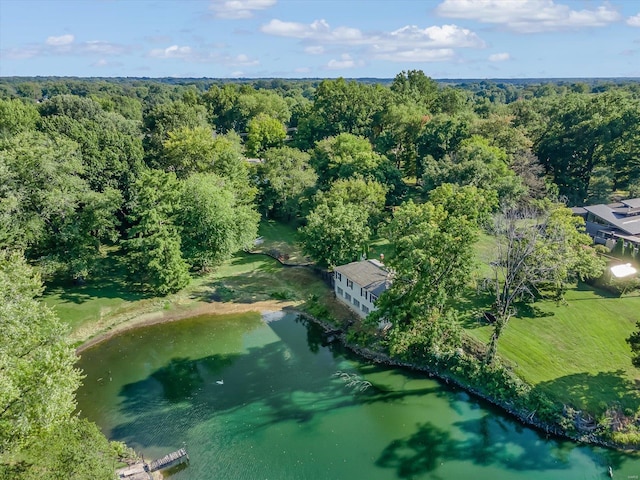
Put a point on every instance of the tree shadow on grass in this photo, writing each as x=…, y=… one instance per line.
x=595, y=393
x=109, y=281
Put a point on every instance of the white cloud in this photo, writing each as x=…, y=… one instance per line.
x=345, y=62
x=238, y=9
x=318, y=29
x=100, y=63
x=302, y=70
x=418, y=55
x=437, y=37
x=174, y=51
x=21, y=53
x=60, y=41
x=103, y=48
x=314, y=50
x=634, y=21
x=409, y=43
x=528, y=16
x=66, y=45
x=499, y=57
x=241, y=60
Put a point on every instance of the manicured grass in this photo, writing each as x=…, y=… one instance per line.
x=576, y=351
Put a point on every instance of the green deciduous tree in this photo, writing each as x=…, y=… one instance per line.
x=153, y=252
x=165, y=118
x=432, y=259
x=37, y=374
x=285, y=180
x=479, y=164
x=364, y=195
x=341, y=107
x=48, y=209
x=264, y=132
x=335, y=234
x=213, y=224
x=39, y=436
x=187, y=150
x=17, y=116
x=110, y=145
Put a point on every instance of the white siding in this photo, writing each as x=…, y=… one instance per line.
x=352, y=294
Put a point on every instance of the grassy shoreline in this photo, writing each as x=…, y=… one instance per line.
x=573, y=353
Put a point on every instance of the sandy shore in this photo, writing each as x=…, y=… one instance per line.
x=103, y=330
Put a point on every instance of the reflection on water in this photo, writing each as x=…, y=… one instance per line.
x=253, y=398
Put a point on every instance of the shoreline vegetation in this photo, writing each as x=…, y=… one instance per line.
x=268, y=306
x=258, y=282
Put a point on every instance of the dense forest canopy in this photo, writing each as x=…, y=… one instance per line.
x=116, y=159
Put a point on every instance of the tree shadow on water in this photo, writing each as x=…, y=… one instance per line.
x=185, y=393
x=490, y=440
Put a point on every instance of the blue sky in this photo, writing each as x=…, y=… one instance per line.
x=320, y=38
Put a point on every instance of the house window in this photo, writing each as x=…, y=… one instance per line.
x=338, y=276
x=350, y=284
x=365, y=295
x=356, y=303
x=339, y=290
x=347, y=296
x=373, y=298
x=365, y=309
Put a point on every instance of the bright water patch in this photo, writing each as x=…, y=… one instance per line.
x=255, y=399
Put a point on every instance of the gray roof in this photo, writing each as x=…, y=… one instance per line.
x=369, y=274
x=624, y=216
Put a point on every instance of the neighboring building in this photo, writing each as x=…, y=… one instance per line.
x=607, y=223
x=359, y=284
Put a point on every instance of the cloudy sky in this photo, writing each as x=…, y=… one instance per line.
x=320, y=38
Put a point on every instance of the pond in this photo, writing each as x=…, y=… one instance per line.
x=254, y=397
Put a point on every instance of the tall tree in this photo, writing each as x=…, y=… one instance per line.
x=431, y=260
x=335, y=234
x=213, y=224
x=111, y=145
x=537, y=247
x=478, y=164
x=154, y=257
x=39, y=436
x=37, y=374
x=187, y=150
x=165, y=118
x=264, y=132
x=364, y=195
x=341, y=107
x=285, y=180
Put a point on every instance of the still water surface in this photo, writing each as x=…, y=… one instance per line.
x=261, y=398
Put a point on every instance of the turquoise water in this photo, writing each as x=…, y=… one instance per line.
x=255, y=398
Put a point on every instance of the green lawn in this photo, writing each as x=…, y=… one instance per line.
x=280, y=239
x=105, y=301
x=103, y=294
x=575, y=351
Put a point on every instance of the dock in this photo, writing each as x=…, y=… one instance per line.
x=144, y=471
x=169, y=460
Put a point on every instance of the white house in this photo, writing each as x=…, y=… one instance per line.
x=359, y=284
